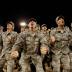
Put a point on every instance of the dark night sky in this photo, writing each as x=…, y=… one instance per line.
x=44, y=13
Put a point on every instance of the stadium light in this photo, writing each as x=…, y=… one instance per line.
x=23, y=23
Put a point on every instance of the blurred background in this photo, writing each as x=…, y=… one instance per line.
x=43, y=11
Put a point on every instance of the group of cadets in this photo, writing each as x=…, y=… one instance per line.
x=36, y=48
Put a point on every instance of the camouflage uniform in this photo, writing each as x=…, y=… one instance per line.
x=8, y=41
x=32, y=42
x=60, y=49
x=44, y=34
x=22, y=50
x=46, y=58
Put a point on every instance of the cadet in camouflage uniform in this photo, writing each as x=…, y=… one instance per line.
x=46, y=57
x=9, y=37
x=44, y=33
x=23, y=29
x=22, y=51
x=60, y=39
x=31, y=40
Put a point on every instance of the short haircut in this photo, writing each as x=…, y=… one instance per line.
x=32, y=19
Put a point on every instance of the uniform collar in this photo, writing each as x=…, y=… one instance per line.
x=8, y=33
x=60, y=30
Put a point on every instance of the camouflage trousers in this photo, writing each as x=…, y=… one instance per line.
x=47, y=62
x=10, y=65
x=59, y=59
x=6, y=59
x=25, y=63
x=70, y=61
x=10, y=62
x=2, y=62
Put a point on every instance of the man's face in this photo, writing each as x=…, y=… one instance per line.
x=44, y=28
x=9, y=26
x=60, y=22
x=32, y=24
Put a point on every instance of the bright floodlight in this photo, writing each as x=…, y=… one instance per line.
x=22, y=24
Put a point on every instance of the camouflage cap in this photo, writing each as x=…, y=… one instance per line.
x=43, y=25
x=59, y=17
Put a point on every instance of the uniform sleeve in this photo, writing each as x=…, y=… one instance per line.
x=19, y=42
x=52, y=33
x=16, y=35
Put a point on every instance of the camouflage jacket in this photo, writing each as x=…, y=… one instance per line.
x=44, y=35
x=8, y=41
x=30, y=41
x=62, y=40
